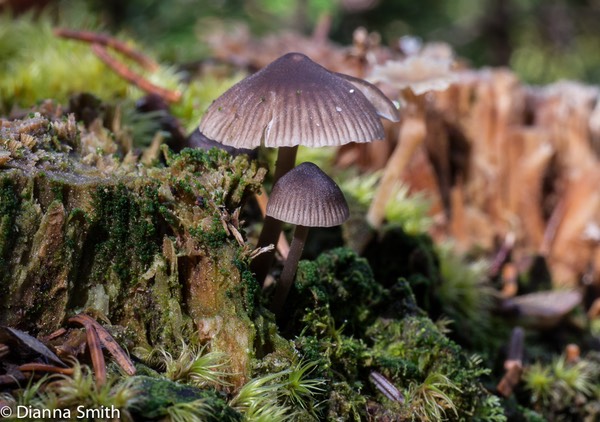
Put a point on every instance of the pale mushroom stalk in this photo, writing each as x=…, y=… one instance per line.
x=286, y=160
x=289, y=269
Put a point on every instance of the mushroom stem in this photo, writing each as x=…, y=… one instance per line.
x=286, y=159
x=289, y=269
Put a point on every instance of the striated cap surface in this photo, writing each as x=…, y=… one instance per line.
x=308, y=197
x=295, y=101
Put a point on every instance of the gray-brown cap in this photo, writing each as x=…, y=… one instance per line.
x=306, y=196
x=295, y=101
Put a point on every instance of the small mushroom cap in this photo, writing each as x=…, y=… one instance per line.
x=306, y=196
x=544, y=309
x=294, y=101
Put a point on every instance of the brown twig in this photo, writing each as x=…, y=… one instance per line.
x=133, y=77
x=108, y=41
x=95, y=348
x=502, y=255
x=115, y=350
x=61, y=331
x=510, y=275
x=107, y=341
x=322, y=28
x=41, y=367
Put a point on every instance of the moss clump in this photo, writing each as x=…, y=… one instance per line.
x=342, y=284
x=412, y=349
x=351, y=326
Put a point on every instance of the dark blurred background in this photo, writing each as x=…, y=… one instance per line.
x=541, y=40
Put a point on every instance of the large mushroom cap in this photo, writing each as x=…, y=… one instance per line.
x=306, y=196
x=294, y=101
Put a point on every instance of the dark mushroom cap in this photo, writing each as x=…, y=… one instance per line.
x=306, y=196
x=294, y=101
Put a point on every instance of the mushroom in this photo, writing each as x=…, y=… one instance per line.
x=306, y=197
x=295, y=101
x=544, y=309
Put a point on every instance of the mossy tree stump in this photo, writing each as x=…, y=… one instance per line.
x=148, y=247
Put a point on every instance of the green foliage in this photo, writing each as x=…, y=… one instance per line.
x=466, y=297
x=405, y=210
x=79, y=389
x=126, y=223
x=341, y=283
x=343, y=331
x=9, y=206
x=38, y=65
x=428, y=401
x=300, y=391
x=412, y=350
x=284, y=395
x=257, y=399
x=563, y=388
x=194, y=366
x=490, y=410
x=192, y=411
x=539, y=380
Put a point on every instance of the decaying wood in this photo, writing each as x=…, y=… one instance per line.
x=510, y=158
x=131, y=243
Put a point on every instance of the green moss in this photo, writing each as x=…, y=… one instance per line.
x=9, y=206
x=250, y=289
x=563, y=388
x=350, y=325
x=342, y=281
x=157, y=395
x=212, y=237
x=127, y=225
x=418, y=349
